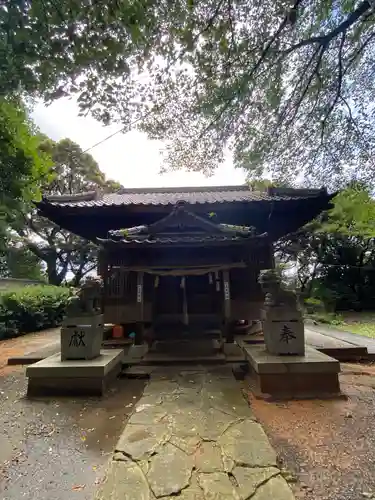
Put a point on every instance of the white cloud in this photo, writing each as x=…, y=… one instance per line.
x=131, y=158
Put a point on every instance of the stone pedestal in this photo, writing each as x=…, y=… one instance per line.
x=53, y=377
x=283, y=330
x=314, y=375
x=82, y=337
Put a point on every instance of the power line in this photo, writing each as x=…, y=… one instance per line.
x=103, y=140
x=129, y=126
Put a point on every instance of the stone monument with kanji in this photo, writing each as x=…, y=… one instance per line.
x=82, y=329
x=282, y=318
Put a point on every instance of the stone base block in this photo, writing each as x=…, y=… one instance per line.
x=81, y=342
x=52, y=376
x=314, y=375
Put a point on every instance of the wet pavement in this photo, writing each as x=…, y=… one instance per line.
x=57, y=449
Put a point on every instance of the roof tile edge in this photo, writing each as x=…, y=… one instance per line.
x=66, y=198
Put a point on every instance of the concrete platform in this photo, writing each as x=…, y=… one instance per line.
x=342, y=346
x=52, y=376
x=314, y=375
x=336, y=348
x=347, y=337
x=34, y=356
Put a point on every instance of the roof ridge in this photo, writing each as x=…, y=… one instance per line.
x=188, y=189
x=210, y=195
x=289, y=191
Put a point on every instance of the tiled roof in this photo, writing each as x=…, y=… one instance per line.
x=183, y=239
x=170, y=196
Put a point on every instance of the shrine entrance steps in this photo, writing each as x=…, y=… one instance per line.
x=269, y=376
x=193, y=436
x=172, y=352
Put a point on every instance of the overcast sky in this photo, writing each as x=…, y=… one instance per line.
x=131, y=158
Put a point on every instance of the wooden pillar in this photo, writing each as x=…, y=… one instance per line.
x=140, y=302
x=217, y=281
x=185, y=313
x=226, y=287
x=103, y=265
x=272, y=255
x=228, y=327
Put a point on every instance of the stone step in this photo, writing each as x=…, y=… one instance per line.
x=161, y=358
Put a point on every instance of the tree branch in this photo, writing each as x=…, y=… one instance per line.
x=324, y=40
x=313, y=73
x=254, y=68
x=51, y=236
x=231, y=27
x=358, y=52
x=338, y=89
x=33, y=247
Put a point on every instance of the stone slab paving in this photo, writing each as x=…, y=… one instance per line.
x=193, y=436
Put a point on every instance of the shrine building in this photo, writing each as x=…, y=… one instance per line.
x=184, y=261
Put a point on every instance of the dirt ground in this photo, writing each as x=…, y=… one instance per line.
x=55, y=449
x=328, y=445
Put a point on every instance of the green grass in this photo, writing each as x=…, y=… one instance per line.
x=362, y=323
x=365, y=329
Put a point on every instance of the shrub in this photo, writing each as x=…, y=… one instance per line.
x=31, y=308
x=327, y=318
x=313, y=305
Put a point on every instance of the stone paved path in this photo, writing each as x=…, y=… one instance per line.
x=193, y=436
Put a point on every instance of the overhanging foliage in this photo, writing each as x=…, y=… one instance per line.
x=287, y=85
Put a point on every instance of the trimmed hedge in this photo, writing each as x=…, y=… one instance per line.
x=31, y=308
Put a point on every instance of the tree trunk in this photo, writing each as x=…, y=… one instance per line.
x=77, y=279
x=54, y=278
x=359, y=287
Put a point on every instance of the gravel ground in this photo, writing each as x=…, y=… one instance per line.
x=56, y=449
x=328, y=445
